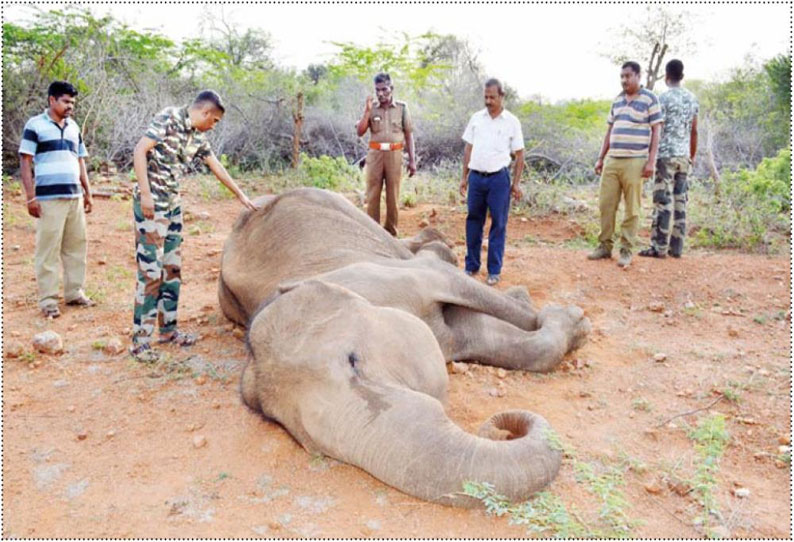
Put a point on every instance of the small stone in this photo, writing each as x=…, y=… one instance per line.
x=631, y=415
x=199, y=441
x=659, y=357
x=763, y=372
x=82, y=434
x=16, y=334
x=15, y=247
x=48, y=342
x=524, y=219
x=656, y=306
x=72, y=327
x=733, y=332
x=423, y=223
x=13, y=349
x=113, y=347
x=238, y=333
x=741, y=492
x=70, y=408
x=783, y=449
x=494, y=392
x=216, y=405
x=204, y=215
x=653, y=488
x=101, y=261
x=585, y=394
x=784, y=439
x=459, y=368
x=110, y=434
x=201, y=380
x=501, y=373
x=689, y=305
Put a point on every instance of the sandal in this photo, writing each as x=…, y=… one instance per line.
x=180, y=338
x=50, y=311
x=144, y=353
x=82, y=301
x=651, y=252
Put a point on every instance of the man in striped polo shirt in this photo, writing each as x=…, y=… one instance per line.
x=630, y=148
x=58, y=195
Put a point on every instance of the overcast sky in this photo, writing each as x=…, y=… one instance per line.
x=550, y=50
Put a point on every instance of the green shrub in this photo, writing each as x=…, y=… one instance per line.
x=327, y=172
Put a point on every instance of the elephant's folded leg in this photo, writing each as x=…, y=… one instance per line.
x=483, y=338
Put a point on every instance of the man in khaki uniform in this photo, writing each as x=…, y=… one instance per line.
x=391, y=130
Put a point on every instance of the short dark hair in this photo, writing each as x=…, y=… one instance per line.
x=210, y=96
x=383, y=77
x=674, y=70
x=494, y=82
x=59, y=88
x=635, y=67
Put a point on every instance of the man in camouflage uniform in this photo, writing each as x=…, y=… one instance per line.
x=173, y=145
x=390, y=129
x=677, y=150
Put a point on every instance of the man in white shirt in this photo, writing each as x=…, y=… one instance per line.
x=491, y=136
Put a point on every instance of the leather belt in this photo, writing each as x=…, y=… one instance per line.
x=385, y=146
x=486, y=174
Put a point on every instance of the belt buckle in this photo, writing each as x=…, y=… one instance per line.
x=385, y=146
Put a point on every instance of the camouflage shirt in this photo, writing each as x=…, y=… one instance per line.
x=679, y=106
x=180, y=149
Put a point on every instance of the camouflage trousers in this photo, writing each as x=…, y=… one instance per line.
x=669, y=203
x=159, y=261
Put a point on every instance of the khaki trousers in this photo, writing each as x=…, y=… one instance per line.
x=60, y=240
x=620, y=176
x=384, y=166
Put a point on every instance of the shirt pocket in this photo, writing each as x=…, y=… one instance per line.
x=397, y=122
x=376, y=123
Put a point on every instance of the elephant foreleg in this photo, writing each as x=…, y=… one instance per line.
x=485, y=339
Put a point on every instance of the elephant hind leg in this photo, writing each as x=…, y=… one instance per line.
x=248, y=388
x=520, y=294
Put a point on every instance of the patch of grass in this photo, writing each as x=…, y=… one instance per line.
x=710, y=439
x=123, y=224
x=408, y=199
x=606, y=486
x=759, y=319
x=641, y=403
x=544, y=514
x=119, y=273
x=98, y=345
x=222, y=476
x=97, y=294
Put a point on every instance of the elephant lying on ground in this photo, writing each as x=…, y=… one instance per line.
x=349, y=330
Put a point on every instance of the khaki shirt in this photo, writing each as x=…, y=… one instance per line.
x=388, y=125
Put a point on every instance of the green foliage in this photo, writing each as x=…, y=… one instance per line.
x=544, y=514
x=710, y=439
x=778, y=70
x=606, y=486
x=327, y=172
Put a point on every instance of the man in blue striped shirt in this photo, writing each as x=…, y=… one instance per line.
x=628, y=155
x=58, y=195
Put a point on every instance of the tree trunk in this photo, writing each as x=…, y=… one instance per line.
x=653, y=67
x=715, y=174
x=296, y=138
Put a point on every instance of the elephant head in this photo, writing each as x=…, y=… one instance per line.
x=367, y=385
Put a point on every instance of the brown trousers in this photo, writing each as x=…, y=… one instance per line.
x=384, y=166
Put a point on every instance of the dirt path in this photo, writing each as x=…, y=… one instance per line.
x=95, y=445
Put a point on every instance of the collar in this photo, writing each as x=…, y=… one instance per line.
x=388, y=105
x=47, y=117
x=487, y=114
x=184, y=111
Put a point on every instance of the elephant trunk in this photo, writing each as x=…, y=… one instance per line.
x=416, y=448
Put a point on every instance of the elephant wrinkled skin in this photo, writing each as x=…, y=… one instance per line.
x=349, y=330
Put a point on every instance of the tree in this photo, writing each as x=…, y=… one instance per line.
x=663, y=30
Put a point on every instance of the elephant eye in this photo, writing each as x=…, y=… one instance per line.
x=352, y=358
